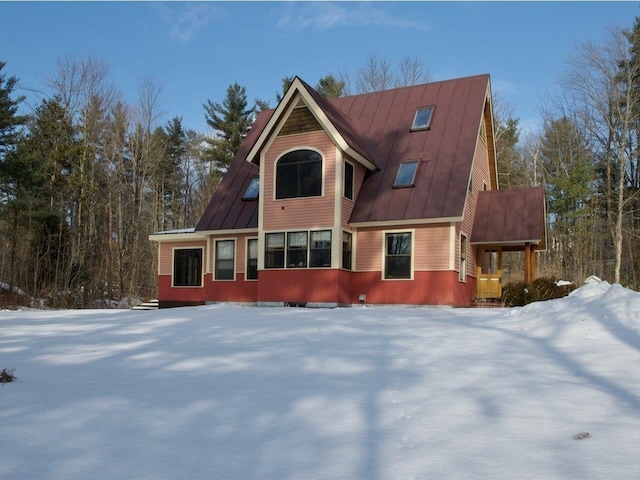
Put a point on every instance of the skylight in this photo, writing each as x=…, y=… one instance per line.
x=252, y=190
x=406, y=174
x=422, y=120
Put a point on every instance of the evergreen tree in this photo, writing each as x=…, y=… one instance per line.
x=329, y=87
x=231, y=120
x=9, y=120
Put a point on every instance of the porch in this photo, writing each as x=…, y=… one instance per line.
x=511, y=220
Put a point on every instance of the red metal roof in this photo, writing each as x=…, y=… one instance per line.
x=511, y=216
x=378, y=127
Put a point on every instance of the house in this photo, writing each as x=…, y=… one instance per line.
x=388, y=197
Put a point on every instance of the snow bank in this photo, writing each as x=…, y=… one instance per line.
x=546, y=391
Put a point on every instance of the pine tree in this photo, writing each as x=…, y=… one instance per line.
x=231, y=121
x=9, y=120
x=329, y=87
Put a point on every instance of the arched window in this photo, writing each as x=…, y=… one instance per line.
x=299, y=174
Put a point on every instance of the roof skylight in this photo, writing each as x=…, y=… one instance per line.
x=406, y=174
x=252, y=191
x=422, y=120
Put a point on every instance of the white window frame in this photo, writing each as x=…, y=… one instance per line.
x=215, y=259
x=462, y=261
x=173, y=260
x=246, y=260
x=383, y=272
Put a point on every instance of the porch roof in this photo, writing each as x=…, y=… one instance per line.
x=512, y=217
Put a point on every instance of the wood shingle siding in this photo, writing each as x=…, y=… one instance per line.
x=301, y=120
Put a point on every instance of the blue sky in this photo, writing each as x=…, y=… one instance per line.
x=195, y=50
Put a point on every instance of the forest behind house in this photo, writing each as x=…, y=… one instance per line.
x=86, y=176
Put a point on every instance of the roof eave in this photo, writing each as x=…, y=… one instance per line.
x=297, y=87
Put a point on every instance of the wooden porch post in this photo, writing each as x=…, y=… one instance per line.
x=532, y=268
x=529, y=263
x=527, y=260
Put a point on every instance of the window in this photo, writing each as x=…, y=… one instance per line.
x=348, y=180
x=422, y=120
x=397, y=255
x=274, y=250
x=187, y=267
x=299, y=174
x=346, y=250
x=406, y=174
x=320, y=250
x=225, y=254
x=297, y=250
x=253, y=190
x=252, y=259
x=463, y=258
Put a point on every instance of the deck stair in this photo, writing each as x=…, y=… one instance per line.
x=150, y=305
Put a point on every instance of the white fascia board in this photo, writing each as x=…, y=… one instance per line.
x=297, y=88
x=410, y=221
x=173, y=237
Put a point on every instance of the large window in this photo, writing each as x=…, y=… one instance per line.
x=299, y=174
x=347, y=248
x=187, y=267
x=320, y=251
x=297, y=250
x=348, y=180
x=274, y=250
x=225, y=254
x=252, y=259
x=303, y=249
x=397, y=255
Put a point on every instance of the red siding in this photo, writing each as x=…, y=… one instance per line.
x=179, y=294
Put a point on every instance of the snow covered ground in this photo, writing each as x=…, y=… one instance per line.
x=548, y=391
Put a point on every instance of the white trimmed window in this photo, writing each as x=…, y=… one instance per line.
x=397, y=264
x=252, y=259
x=463, y=258
x=299, y=174
x=225, y=260
x=187, y=267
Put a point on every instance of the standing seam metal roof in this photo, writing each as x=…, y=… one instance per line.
x=378, y=126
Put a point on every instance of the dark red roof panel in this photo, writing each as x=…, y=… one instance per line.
x=515, y=216
x=378, y=127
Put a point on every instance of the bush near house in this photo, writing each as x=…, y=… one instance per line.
x=518, y=294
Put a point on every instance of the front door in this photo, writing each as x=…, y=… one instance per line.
x=490, y=273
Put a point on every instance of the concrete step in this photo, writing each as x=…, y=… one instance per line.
x=150, y=305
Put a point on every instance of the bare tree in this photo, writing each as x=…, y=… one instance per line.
x=600, y=79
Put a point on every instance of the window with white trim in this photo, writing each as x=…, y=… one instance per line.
x=320, y=249
x=397, y=255
x=348, y=180
x=299, y=174
x=225, y=259
x=274, y=250
x=252, y=259
x=297, y=249
x=463, y=258
x=347, y=249
x=187, y=267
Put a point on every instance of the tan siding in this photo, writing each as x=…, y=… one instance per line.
x=166, y=254
x=240, y=253
x=310, y=212
x=348, y=205
x=480, y=176
x=431, y=247
x=368, y=250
